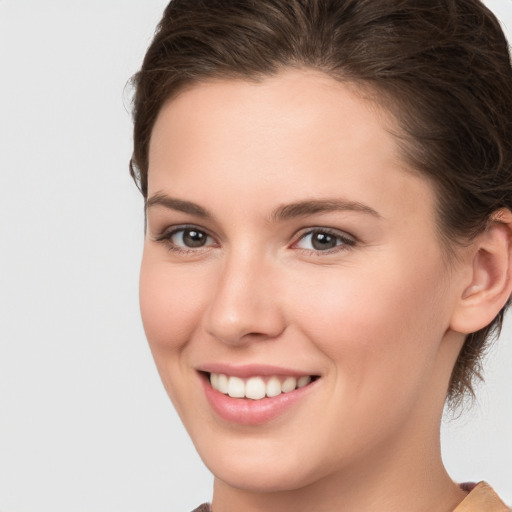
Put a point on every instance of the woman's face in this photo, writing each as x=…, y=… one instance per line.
x=288, y=243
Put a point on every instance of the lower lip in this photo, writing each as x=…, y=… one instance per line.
x=245, y=411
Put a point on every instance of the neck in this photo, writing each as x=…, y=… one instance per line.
x=405, y=472
x=404, y=476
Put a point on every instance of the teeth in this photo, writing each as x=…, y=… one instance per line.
x=289, y=384
x=256, y=388
x=273, y=387
x=303, y=381
x=236, y=387
x=222, y=384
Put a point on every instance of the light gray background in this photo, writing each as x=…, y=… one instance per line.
x=84, y=423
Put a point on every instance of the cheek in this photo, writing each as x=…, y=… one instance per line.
x=382, y=342
x=382, y=326
x=170, y=301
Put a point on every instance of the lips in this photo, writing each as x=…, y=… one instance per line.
x=254, y=395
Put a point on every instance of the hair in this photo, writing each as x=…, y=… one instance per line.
x=440, y=67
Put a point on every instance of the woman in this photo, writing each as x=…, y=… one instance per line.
x=328, y=189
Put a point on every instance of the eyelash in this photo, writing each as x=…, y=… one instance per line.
x=166, y=239
x=345, y=240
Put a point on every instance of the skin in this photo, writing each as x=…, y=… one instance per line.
x=378, y=318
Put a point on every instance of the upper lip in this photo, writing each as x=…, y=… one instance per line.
x=250, y=370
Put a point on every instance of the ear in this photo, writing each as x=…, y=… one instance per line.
x=489, y=284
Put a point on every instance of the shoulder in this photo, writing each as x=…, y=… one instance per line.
x=205, y=507
x=481, y=498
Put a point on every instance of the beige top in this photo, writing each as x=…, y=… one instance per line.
x=481, y=498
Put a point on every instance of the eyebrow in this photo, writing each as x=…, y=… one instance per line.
x=179, y=205
x=281, y=213
x=311, y=207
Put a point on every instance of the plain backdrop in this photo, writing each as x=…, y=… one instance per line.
x=85, y=424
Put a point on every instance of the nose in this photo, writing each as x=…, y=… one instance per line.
x=244, y=306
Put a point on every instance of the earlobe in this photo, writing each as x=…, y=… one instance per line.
x=490, y=283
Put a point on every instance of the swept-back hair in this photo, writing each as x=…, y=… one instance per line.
x=440, y=67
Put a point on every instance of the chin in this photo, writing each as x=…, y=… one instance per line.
x=262, y=479
x=261, y=467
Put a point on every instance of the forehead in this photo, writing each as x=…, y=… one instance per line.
x=299, y=95
x=294, y=134
x=293, y=106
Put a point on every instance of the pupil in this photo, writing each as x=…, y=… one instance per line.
x=323, y=241
x=192, y=238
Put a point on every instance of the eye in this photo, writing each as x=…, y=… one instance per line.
x=186, y=239
x=322, y=239
x=189, y=237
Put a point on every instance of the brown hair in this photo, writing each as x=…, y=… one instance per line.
x=441, y=67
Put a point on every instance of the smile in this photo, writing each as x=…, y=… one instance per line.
x=258, y=387
x=255, y=394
